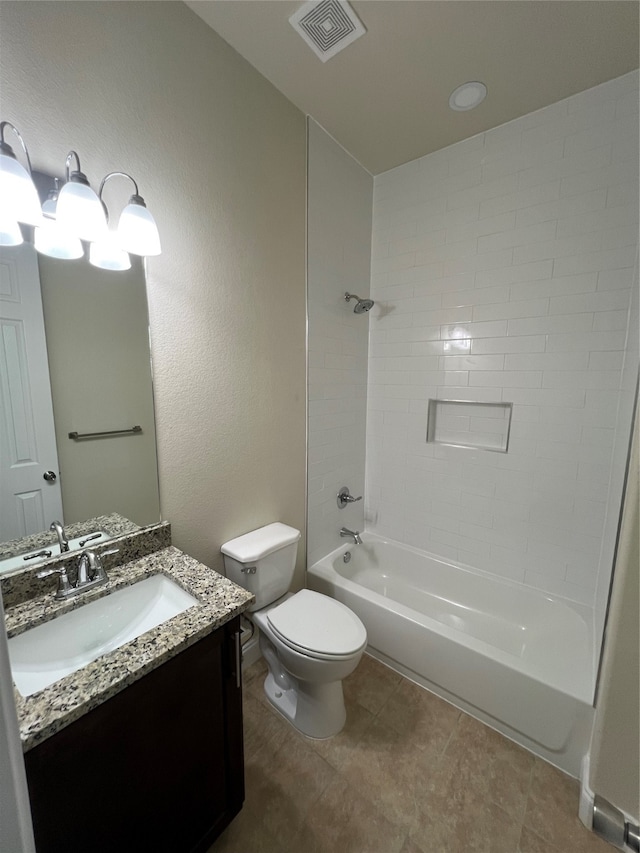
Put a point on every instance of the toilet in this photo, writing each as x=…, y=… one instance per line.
x=309, y=641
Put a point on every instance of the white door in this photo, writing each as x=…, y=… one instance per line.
x=28, y=501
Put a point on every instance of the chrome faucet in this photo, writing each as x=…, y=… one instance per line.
x=344, y=531
x=91, y=573
x=62, y=536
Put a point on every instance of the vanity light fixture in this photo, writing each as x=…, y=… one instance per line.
x=137, y=231
x=79, y=210
x=50, y=238
x=71, y=214
x=18, y=196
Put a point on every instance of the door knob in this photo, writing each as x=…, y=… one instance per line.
x=49, y=476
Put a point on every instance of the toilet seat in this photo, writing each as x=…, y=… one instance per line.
x=317, y=626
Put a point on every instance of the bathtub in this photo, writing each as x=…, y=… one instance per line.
x=517, y=659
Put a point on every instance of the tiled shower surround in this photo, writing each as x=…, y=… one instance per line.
x=338, y=260
x=502, y=270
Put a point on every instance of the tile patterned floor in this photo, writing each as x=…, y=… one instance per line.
x=408, y=774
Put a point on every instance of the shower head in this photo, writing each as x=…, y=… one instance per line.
x=362, y=305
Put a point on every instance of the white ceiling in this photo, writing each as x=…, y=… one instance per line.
x=385, y=97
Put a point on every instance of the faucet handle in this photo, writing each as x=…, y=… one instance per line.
x=64, y=587
x=344, y=497
x=56, y=570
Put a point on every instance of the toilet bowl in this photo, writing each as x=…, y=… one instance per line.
x=309, y=641
x=308, y=658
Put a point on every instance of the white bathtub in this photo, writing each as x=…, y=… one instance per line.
x=519, y=660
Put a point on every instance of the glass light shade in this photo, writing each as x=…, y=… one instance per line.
x=108, y=255
x=18, y=196
x=79, y=211
x=49, y=207
x=10, y=233
x=137, y=231
x=51, y=239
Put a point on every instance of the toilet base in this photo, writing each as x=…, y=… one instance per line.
x=315, y=710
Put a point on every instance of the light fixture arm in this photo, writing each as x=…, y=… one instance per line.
x=117, y=175
x=75, y=212
x=78, y=175
x=5, y=148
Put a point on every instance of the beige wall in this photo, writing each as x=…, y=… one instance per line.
x=219, y=156
x=614, y=771
x=97, y=330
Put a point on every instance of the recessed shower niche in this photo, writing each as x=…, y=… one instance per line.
x=463, y=423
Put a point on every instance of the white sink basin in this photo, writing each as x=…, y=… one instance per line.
x=48, y=652
x=87, y=540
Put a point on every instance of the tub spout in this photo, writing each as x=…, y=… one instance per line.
x=344, y=531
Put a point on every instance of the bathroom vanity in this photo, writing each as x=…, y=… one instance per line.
x=140, y=749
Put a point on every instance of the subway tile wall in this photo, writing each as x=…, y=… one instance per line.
x=338, y=260
x=502, y=269
x=620, y=452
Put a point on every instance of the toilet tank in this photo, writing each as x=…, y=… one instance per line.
x=263, y=561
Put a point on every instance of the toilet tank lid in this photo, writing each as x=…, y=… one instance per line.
x=260, y=543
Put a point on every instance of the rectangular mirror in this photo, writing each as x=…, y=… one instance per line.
x=74, y=357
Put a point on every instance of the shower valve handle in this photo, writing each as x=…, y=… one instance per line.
x=345, y=498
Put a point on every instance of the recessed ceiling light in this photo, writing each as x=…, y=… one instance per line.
x=467, y=96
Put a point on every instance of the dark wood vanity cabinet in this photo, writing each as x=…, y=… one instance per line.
x=158, y=767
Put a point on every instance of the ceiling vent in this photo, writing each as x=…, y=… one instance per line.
x=327, y=26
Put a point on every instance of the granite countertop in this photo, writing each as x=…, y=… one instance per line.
x=44, y=713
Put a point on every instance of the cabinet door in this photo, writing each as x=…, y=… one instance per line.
x=152, y=769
